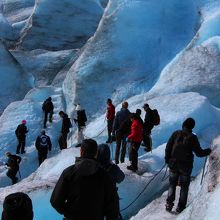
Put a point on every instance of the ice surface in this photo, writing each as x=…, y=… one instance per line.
x=63, y=31
x=15, y=82
x=129, y=50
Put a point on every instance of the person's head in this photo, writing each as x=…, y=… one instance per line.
x=61, y=114
x=138, y=112
x=78, y=107
x=125, y=104
x=109, y=101
x=145, y=106
x=7, y=154
x=189, y=123
x=88, y=148
x=43, y=132
x=49, y=98
x=103, y=154
x=23, y=122
x=133, y=116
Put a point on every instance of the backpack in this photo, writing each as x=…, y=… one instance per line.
x=179, y=149
x=43, y=141
x=17, y=206
x=12, y=161
x=69, y=123
x=156, y=117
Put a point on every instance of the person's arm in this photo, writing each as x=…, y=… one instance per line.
x=134, y=127
x=37, y=143
x=111, y=200
x=59, y=194
x=197, y=148
x=119, y=175
x=169, y=147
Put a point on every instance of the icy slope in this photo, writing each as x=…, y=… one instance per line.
x=15, y=83
x=196, y=69
x=203, y=199
x=7, y=31
x=129, y=50
x=57, y=25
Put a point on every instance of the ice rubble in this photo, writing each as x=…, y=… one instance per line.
x=15, y=83
x=129, y=49
x=64, y=30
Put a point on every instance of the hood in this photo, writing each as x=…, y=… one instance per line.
x=86, y=166
x=104, y=154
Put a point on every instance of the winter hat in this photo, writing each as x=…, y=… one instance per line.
x=49, y=98
x=189, y=123
x=145, y=105
x=109, y=101
x=103, y=155
x=78, y=107
x=89, y=147
x=23, y=122
x=138, y=112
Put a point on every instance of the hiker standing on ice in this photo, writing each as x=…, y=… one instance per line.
x=84, y=190
x=121, y=129
x=13, y=166
x=110, y=115
x=66, y=125
x=135, y=138
x=47, y=108
x=179, y=157
x=21, y=132
x=43, y=144
x=80, y=120
x=148, y=126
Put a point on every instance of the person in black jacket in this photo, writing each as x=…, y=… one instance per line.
x=148, y=126
x=121, y=129
x=43, y=144
x=13, y=166
x=48, y=107
x=64, y=130
x=179, y=157
x=85, y=190
x=21, y=132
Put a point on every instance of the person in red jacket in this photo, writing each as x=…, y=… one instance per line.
x=135, y=138
x=110, y=115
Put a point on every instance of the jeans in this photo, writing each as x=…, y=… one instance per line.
x=21, y=145
x=184, y=181
x=46, y=116
x=63, y=141
x=133, y=153
x=120, y=145
x=109, y=127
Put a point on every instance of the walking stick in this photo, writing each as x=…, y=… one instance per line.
x=203, y=171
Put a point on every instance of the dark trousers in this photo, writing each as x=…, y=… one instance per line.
x=12, y=174
x=21, y=145
x=120, y=145
x=109, y=127
x=184, y=181
x=46, y=116
x=147, y=140
x=63, y=141
x=42, y=155
x=133, y=153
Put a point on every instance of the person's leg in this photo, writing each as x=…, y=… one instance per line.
x=80, y=136
x=23, y=145
x=118, y=146
x=64, y=140
x=134, y=160
x=173, y=180
x=109, y=127
x=148, y=142
x=184, y=184
x=51, y=116
x=18, y=146
x=12, y=175
x=123, y=149
x=45, y=119
x=60, y=141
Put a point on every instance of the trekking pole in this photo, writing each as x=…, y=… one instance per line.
x=203, y=171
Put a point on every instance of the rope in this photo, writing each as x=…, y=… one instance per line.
x=143, y=189
x=96, y=135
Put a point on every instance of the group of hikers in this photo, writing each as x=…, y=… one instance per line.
x=95, y=170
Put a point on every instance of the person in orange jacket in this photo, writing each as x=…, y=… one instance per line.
x=135, y=138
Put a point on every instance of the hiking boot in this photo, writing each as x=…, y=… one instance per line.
x=179, y=210
x=169, y=207
x=23, y=152
x=17, y=152
x=122, y=161
x=132, y=168
x=147, y=149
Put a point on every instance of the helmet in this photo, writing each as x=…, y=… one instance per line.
x=23, y=122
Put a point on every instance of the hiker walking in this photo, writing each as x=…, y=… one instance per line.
x=121, y=129
x=85, y=190
x=66, y=125
x=135, y=138
x=80, y=120
x=13, y=166
x=43, y=144
x=47, y=108
x=148, y=126
x=21, y=132
x=179, y=157
x=110, y=115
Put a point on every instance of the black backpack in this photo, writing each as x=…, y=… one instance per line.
x=43, y=141
x=17, y=206
x=156, y=117
x=180, y=151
